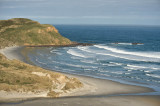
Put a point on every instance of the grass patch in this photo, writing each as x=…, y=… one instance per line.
x=75, y=83
x=21, y=31
x=22, y=77
x=53, y=94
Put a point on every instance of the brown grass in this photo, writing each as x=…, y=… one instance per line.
x=18, y=76
x=53, y=94
x=73, y=84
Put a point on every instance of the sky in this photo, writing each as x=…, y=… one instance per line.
x=118, y=12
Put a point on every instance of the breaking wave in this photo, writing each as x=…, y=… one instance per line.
x=75, y=53
x=114, y=50
x=135, y=56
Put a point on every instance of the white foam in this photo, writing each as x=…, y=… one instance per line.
x=118, y=64
x=134, y=66
x=127, y=73
x=153, y=75
x=123, y=56
x=127, y=43
x=114, y=72
x=103, y=71
x=123, y=43
x=150, y=55
x=75, y=53
x=55, y=62
x=147, y=71
x=87, y=69
x=82, y=47
x=39, y=61
x=109, y=64
x=129, y=70
x=155, y=68
x=53, y=51
x=142, y=67
x=74, y=65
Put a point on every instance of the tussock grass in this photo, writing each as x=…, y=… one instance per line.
x=53, y=94
x=73, y=84
x=22, y=77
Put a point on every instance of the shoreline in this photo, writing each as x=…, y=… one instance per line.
x=73, y=44
x=94, y=88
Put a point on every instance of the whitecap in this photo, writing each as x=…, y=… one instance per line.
x=74, y=65
x=53, y=51
x=147, y=71
x=127, y=43
x=103, y=71
x=153, y=75
x=123, y=56
x=135, y=66
x=75, y=53
x=122, y=43
x=83, y=47
x=115, y=50
x=55, y=62
x=141, y=67
x=118, y=64
x=127, y=73
x=114, y=72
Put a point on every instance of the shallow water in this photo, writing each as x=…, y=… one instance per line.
x=112, y=57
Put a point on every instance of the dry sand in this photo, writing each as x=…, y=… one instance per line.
x=96, y=92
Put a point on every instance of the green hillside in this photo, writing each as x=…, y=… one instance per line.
x=21, y=31
x=21, y=77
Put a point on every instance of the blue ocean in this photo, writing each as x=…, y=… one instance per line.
x=128, y=54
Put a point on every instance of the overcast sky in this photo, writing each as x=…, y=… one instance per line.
x=141, y=12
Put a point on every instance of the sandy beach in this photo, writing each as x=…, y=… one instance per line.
x=12, y=53
x=96, y=92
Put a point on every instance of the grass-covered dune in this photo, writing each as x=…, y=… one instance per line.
x=21, y=31
x=22, y=78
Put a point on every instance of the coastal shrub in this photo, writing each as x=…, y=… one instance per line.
x=19, y=76
x=4, y=64
x=53, y=94
x=73, y=84
x=68, y=86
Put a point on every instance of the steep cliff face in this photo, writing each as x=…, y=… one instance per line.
x=20, y=31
